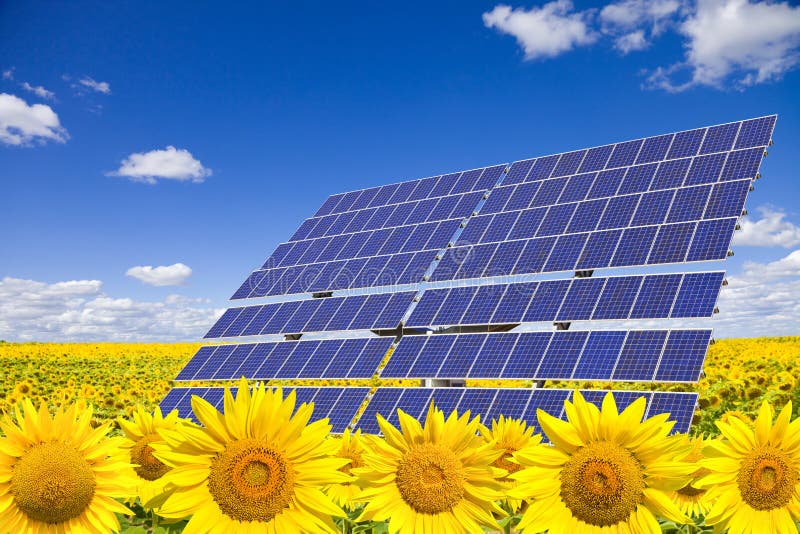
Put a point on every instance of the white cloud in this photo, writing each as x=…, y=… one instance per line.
x=634, y=22
x=788, y=266
x=631, y=41
x=20, y=124
x=78, y=311
x=771, y=230
x=735, y=42
x=8, y=74
x=165, y=275
x=543, y=32
x=100, y=87
x=38, y=90
x=171, y=163
x=763, y=301
x=634, y=13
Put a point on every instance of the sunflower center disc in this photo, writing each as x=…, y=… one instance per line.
x=690, y=491
x=150, y=467
x=767, y=479
x=251, y=481
x=602, y=484
x=356, y=460
x=52, y=483
x=503, y=462
x=430, y=479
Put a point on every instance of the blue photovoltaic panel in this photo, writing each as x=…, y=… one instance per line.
x=633, y=356
x=376, y=311
x=339, y=405
x=333, y=358
x=756, y=132
x=437, y=186
x=683, y=356
x=674, y=202
x=680, y=406
x=640, y=355
x=517, y=403
x=380, y=236
x=579, y=299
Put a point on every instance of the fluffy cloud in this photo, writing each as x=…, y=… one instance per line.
x=736, y=41
x=631, y=41
x=543, y=32
x=38, y=90
x=8, y=74
x=786, y=267
x=21, y=124
x=771, y=230
x=763, y=301
x=100, y=87
x=166, y=275
x=78, y=311
x=729, y=43
x=171, y=164
x=634, y=22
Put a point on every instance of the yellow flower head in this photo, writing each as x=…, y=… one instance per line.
x=693, y=501
x=510, y=436
x=254, y=468
x=607, y=472
x=351, y=447
x=755, y=473
x=59, y=475
x=436, y=478
x=140, y=433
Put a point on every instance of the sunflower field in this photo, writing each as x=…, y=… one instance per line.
x=84, y=449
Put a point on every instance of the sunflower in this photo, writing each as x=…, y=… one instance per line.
x=351, y=447
x=139, y=434
x=693, y=501
x=254, y=468
x=607, y=472
x=438, y=478
x=509, y=436
x=59, y=475
x=755, y=473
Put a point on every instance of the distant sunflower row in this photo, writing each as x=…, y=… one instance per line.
x=262, y=465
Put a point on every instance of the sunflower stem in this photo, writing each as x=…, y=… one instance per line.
x=507, y=507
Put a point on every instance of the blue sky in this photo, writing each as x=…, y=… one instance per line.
x=268, y=109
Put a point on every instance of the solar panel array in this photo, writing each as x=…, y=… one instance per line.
x=341, y=405
x=371, y=273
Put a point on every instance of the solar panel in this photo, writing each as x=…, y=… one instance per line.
x=333, y=358
x=340, y=405
x=632, y=356
x=394, y=230
x=663, y=207
x=667, y=199
x=380, y=310
x=517, y=403
x=673, y=296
